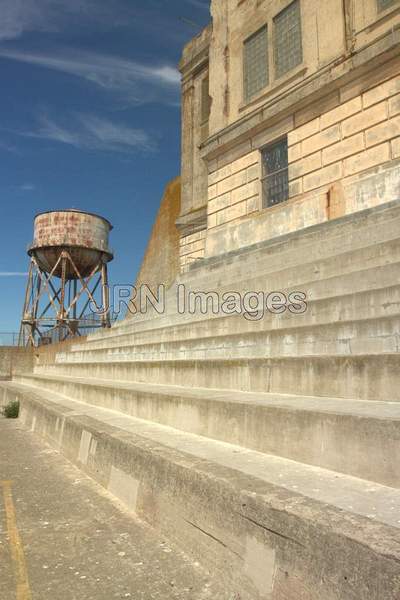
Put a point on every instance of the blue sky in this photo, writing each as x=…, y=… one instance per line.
x=89, y=118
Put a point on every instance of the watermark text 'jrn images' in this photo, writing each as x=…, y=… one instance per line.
x=253, y=305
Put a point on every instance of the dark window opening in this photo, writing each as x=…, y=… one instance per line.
x=275, y=175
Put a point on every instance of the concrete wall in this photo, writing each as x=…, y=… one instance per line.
x=15, y=360
x=46, y=355
x=161, y=260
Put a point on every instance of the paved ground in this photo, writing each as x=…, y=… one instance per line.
x=63, y=538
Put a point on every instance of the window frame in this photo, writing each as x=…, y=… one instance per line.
x=266, y=28
x=263, y=199
x=273, y=79
x=279, y=76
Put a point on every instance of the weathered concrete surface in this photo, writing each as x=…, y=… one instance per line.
x=46, y=354
x=272, y=529
x=345, y=344
x=15, y=360
x=334, y=434
x=216, y=469
x=77, y=541
x=160, y=264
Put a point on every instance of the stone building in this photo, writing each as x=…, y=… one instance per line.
x=291, y=117
x=264, y=443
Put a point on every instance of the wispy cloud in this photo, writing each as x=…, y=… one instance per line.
x=12, y=274
x=21, y=16
x=90, y=132
x=27, y=187
x=155, y=16
x=137, y=82
x=202, y=4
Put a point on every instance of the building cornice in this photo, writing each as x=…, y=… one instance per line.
x=196, y=54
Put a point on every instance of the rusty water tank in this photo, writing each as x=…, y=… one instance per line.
x=84, y=236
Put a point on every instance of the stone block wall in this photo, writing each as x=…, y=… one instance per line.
x=192, y=248
x=343, y=153
x=15, y=360
x=357, y=135
x=234, y=190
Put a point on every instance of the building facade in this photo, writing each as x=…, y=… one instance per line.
x=291, y=118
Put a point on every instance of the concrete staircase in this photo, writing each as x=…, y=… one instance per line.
x=269, y=450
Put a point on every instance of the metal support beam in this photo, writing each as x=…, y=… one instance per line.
x=51, y=307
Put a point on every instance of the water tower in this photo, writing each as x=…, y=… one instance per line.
x=67, y=294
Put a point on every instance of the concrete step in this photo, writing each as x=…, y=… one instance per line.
x=361, y=242
x=359, y=438
x=340, y=290
x=367, y=377
x=355, y=234
x=298, y=268
x=346, y=310
x=272, y=527
x=374, y=336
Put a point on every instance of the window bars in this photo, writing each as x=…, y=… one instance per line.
x=275, y=177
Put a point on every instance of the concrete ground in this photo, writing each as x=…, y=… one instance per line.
x=62, y=537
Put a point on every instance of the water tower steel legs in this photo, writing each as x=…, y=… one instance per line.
x=51, y=309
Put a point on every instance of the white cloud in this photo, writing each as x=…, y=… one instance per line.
x=27, y=187
x=137, y=82
x=90, y=132
x=12, y=274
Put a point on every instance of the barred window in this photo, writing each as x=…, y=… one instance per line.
x=256, y=71
x=288, y=42
x=384, y=4
x=275, y=177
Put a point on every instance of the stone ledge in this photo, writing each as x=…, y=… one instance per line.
x=358, y=376
x=225, y=509
x=282, y=425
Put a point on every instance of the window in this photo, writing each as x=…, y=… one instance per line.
x=288, y=42
x=256, y=75
x=384, y=4
x=275, y=178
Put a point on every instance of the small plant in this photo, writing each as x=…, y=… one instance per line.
x=11, y=410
